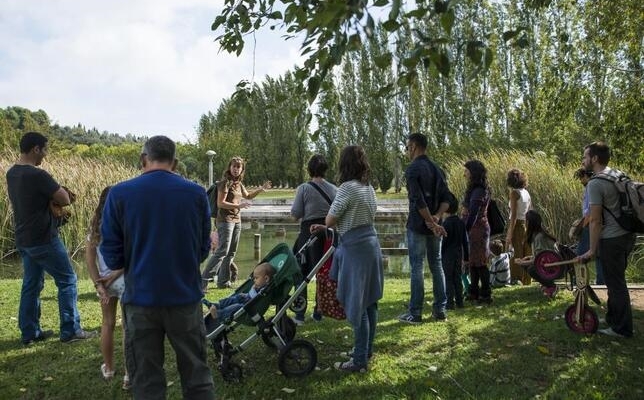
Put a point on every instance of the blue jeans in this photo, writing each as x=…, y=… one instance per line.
x=53, y=259
x=219, y=263
x=582, y=247
x=421, y=246
x=230, y=305
x=364, y=334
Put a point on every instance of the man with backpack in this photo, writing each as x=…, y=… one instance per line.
x=609, y=241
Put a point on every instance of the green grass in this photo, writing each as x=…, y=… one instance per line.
x=518, y=348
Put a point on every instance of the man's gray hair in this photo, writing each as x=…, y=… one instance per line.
x=159, y=148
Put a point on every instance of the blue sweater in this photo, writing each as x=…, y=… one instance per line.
x=157, y=226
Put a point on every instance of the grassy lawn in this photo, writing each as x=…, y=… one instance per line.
x=517, y=348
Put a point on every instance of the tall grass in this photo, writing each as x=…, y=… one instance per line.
x=83, y=176
x=555, y=193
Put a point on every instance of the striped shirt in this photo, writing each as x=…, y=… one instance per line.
x=354, y=205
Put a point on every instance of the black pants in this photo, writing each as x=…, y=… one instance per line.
x=483, y=274
x=453, y=282
x=613, y=254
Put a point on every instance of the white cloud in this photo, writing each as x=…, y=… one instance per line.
x=144, y=67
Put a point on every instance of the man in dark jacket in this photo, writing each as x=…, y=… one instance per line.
x=157, y=228
x=428, y=200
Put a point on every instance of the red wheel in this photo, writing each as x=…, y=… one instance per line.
x=548, y=273
x=589, y=321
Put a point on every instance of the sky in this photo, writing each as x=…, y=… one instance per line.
x=145, y=67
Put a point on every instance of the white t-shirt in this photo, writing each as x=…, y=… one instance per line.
x=523, y=203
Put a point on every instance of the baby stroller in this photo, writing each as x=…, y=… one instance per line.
x=580, y=317
x=296, y=357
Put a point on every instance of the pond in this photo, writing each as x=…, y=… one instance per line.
x=391, y=236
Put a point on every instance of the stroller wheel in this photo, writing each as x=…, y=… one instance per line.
x=589, y=321
x=548, y=273
x=299, y=304
x=286, y=328
x=232, y=373
x=297, y=359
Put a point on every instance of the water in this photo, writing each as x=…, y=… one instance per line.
x=391, y=236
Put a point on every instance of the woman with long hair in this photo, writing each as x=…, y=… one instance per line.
x=520, y=202
x=231, y=194
x=357, y=263
x=109, y=288
x=477, y=198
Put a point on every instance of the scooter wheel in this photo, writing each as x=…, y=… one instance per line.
x=589, y=322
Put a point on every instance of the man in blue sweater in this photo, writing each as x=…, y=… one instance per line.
x=156, y=227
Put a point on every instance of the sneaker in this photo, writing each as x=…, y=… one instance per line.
x=44, y=335
x=410, y=319
x=349, y=354
x=349, y=366
x=225, y=285
x=440, y=317
x=107, y=373
x=610, y=332
x=316, y=316
x=80, y=335
x=126, y=382
x=299, y=321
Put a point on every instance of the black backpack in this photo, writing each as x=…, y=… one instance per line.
x=212, y=199
x=495, y=218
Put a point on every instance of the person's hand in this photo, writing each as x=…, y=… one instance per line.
x=315, y=228
x=585, y=258
x=214, y=240
x=244, y=204
x=435, y=227
x=107, y=280
x=101, y=292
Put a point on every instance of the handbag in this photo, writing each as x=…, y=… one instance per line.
x=495, y=218
x=326, y=288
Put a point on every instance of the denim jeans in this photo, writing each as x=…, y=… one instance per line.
x=145, y=331
x=421, y=246
x=53, y=259
x=364, y=334
x=582, y=247
x=219, y=263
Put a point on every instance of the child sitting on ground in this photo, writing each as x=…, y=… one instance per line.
x=224, y=308
x=539, y=239
x=499, y=264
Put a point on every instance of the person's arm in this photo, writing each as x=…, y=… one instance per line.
x=112, y=243
x=297, y=209
x=61, y=197
x=92, y=270
x=265, y=185
x=514, y=201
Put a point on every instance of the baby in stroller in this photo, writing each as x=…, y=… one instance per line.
x=221, y=310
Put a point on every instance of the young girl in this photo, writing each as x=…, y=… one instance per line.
x=230, y=192
x=109, y=288
x=539, y=239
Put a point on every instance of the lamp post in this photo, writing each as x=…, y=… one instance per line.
x=211, y=154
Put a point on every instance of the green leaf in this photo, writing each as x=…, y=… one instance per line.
x=313, y=87
x=383, y=61
x=417, y=13
x=447, y=21
x=218, y=21
x=395, y=10
x=275, y=15
x=380, y=3
x=391, y=26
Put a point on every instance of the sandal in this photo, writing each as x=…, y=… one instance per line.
x=107, y=374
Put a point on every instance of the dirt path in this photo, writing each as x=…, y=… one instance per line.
x=636, y=292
